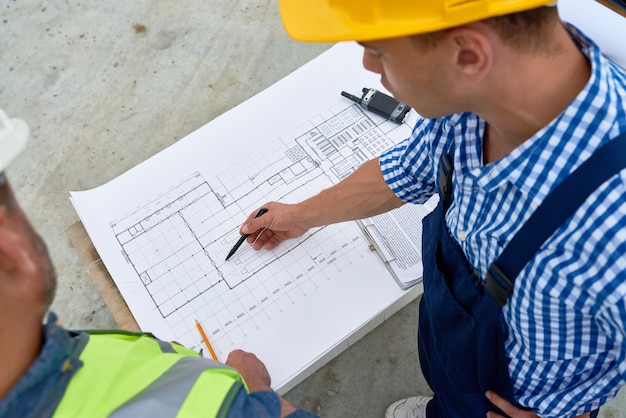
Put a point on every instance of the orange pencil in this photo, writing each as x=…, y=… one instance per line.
x=206, y=340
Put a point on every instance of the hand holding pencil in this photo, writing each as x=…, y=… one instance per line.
x=280, y=222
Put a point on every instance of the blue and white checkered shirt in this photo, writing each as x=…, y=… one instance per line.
x=566, y=317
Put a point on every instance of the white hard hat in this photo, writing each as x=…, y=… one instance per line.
x=13, y=137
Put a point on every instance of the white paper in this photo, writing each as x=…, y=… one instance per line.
x=163, y=229
x=397, y=237
x=606, y=27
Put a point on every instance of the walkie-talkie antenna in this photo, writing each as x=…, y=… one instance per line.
x=352, y=97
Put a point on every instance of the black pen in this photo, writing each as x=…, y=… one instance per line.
x=244, y=236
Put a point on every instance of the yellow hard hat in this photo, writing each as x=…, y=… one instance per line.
x=360, y=20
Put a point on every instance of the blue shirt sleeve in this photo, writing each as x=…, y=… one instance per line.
x=260, y=405
x=407, y=167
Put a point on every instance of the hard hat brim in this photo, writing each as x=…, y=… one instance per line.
x=12, y=142
x=318, y=21
x=315, y=21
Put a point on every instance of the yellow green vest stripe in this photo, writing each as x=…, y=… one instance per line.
x=130, y=375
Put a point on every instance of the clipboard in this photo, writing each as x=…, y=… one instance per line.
x=383, y=248
x=396, y=236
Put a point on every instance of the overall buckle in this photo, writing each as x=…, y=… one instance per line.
x=498, y=284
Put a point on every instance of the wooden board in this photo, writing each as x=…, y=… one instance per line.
x=613, y=7
x=101, y=277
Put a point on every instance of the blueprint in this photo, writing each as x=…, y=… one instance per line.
x=203, y=216
x=296, y=306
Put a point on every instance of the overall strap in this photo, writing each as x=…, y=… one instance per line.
x=444, y=183
x=560, y=204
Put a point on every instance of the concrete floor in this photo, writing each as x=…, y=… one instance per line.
x=105, y=85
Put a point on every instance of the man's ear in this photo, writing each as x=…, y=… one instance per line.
x=13, y=255
x=472, y=51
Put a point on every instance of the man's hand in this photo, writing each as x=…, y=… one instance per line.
x=275, y=226
x=256, y=375
x=251, y=368
x=512, y=411
x=507, y=408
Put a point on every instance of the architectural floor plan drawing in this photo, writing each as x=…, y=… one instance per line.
x=165, y=243
x=178, y=249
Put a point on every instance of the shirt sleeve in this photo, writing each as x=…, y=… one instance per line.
x=408, y=167
x=263, y=404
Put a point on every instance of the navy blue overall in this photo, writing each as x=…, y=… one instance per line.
x=461, y=335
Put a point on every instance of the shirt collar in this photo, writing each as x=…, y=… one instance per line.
x=43, y=385
x=518, y=167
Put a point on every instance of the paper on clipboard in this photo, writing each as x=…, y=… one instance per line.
x=397, y=238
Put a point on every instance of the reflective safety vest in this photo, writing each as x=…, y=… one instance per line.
x=133, y=375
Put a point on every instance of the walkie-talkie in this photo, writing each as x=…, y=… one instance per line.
x=381, y=104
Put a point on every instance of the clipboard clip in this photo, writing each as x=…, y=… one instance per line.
x=378, y=243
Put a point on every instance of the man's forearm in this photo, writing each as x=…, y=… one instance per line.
x=362, y=194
